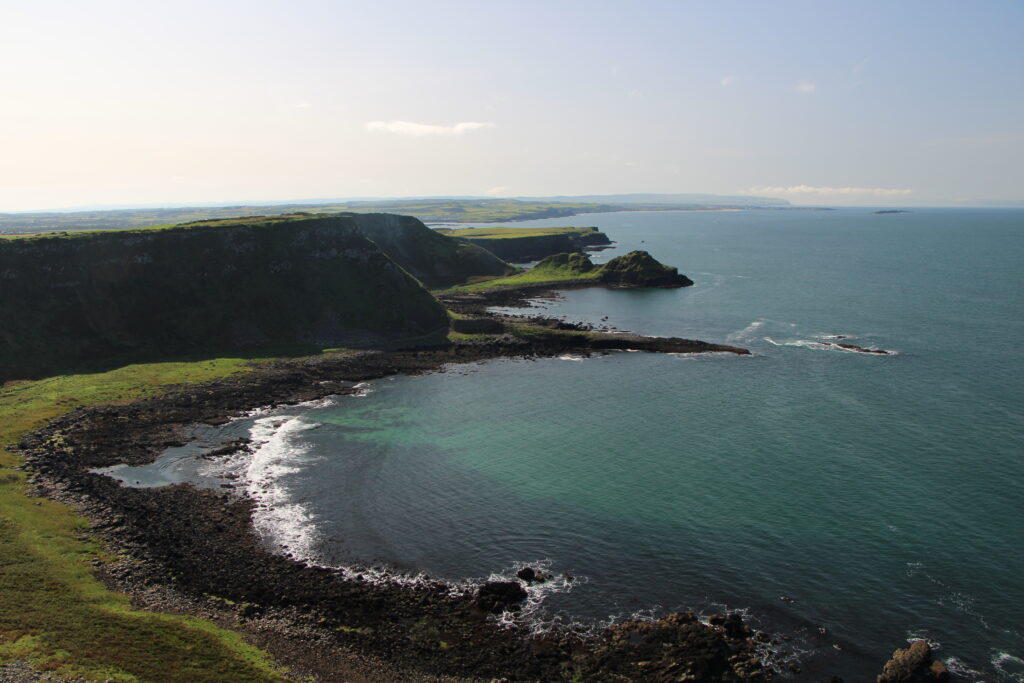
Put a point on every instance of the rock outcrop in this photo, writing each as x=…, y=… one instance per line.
x=640, y=269
x=208, y=286
x=914, y=665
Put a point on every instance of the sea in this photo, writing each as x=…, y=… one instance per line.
x=846, y=503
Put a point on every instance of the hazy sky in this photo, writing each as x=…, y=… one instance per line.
x=857, y=102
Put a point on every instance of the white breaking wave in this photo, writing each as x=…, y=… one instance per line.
x=285, y=524
x=828, y=346
x=747, y=333
x=362, y=389
x=531, y=615
x=961, y=670
x=709, y=355
x=1009, y=665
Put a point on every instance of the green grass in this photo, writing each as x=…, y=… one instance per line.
x=53, y=612
x=213, y=222
x=557, y=269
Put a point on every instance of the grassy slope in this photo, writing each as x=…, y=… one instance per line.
x=551, y=270
x=53, y=612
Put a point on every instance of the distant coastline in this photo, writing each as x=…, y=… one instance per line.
x=435, y=212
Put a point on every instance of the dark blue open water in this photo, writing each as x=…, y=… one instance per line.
x=883, y=496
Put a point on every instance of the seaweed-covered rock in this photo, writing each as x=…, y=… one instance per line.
x=677, y=647
x=913, y=665
x=641, y=269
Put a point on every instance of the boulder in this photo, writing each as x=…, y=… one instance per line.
x=531, y=575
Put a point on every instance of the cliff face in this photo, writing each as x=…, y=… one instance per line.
x=437, y=261
x=524, y=247
x=218, y=285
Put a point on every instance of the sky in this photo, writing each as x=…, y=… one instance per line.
x=822, y=103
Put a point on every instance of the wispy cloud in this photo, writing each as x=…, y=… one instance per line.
x=727, y=81
x=494, y=191
x=819, y=191
x=413, y=129
x=303, y=105
x=806, y=87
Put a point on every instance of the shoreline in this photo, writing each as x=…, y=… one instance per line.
x=195, y=551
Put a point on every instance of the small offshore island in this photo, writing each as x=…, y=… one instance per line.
x=320, y=303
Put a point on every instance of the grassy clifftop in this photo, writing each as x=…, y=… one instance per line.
x=200, y=287
x=529, y=244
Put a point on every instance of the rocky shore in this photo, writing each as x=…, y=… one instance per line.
x=190, y=550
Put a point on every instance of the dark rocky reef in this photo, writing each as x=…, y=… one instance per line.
x=914, y=665
x=213, y=285
x=524, y=248
x=640, y=269
x=436, y=260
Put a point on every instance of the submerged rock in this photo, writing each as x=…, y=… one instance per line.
x=913, y=665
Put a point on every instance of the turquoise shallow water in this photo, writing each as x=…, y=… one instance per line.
x=883, y=496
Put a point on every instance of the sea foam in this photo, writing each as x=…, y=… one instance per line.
x=284, y=523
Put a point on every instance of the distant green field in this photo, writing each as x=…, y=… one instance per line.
x=238, y=220
x=498, y=233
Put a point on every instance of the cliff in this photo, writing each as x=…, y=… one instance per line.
x=530, y=244
x=437, y=260
x=74, y=299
